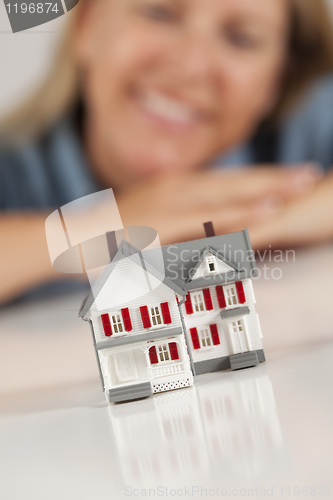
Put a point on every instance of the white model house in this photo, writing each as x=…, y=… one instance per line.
x=219, y=311
x=152, y=332
x=137, y=330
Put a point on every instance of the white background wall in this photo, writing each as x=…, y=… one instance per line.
x=26, y=57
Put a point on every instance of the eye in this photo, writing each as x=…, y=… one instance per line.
x=241, y=39
x=160, y=13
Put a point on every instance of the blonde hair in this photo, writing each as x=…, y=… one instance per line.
x=310, y=56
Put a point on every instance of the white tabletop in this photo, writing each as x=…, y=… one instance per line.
x=261, y=432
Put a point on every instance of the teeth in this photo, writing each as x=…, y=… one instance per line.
x=167, y=108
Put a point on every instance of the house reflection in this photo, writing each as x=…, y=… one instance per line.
x=241, y=425
x=226, y=426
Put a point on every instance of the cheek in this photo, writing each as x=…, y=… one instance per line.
x=127, y=50
x=124, y=56
x=249, y=88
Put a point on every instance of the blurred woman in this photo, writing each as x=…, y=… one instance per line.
x=145, y=96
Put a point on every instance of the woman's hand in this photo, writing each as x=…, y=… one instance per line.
x=177, y=206
x=270, y=201
x=304, y=220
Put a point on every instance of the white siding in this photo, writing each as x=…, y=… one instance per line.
x=122, y=290
x=206, y=318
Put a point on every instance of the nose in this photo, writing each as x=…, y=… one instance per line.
x=194, y=56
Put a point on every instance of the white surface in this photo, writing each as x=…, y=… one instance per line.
x=270, y=426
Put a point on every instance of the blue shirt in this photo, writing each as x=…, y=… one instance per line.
x=48, y=173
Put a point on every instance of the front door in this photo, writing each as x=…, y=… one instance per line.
x=238, y=336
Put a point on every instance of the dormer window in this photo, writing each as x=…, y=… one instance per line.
x=211, y=263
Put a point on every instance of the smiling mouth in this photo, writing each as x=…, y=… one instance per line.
x=169, y=111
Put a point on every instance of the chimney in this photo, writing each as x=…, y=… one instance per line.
x=209, y=229
x=112, y=244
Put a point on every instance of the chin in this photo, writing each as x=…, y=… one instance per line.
x=142, y=163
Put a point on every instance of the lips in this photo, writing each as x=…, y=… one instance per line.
x=168, y=110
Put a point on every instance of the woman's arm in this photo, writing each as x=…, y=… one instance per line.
x=175, y=206
x=24, y=258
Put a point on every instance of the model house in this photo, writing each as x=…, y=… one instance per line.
x=219, y=312
x=137, y=329
x=154, y=330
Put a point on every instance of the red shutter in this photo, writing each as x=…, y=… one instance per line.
x=220, y=297
x=208, y=299
x=240, y=292
x=177, y=299
x=106, y=325
x=145, y=317
x=166, y=313
x=153, y=355
x=188, y=304
x=195, y=338
x=215, y=334
x=126, y=319
x=173, y=350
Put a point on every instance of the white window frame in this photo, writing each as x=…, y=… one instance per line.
x=230, y=292
x=118, y=323
x=204, y=336
x=152, y=316
x=162, y=350
x=211, y=259
x=199, y=295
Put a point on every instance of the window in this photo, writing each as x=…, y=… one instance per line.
x=198, y=301
x=211, y=263
x=231, y=295
x=237, y=326
x=117, y=323
x=205, y=338
x=155, y=316
x=163, y=352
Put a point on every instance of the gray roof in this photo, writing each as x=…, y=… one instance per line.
x=181, y=261
x=234, y=249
